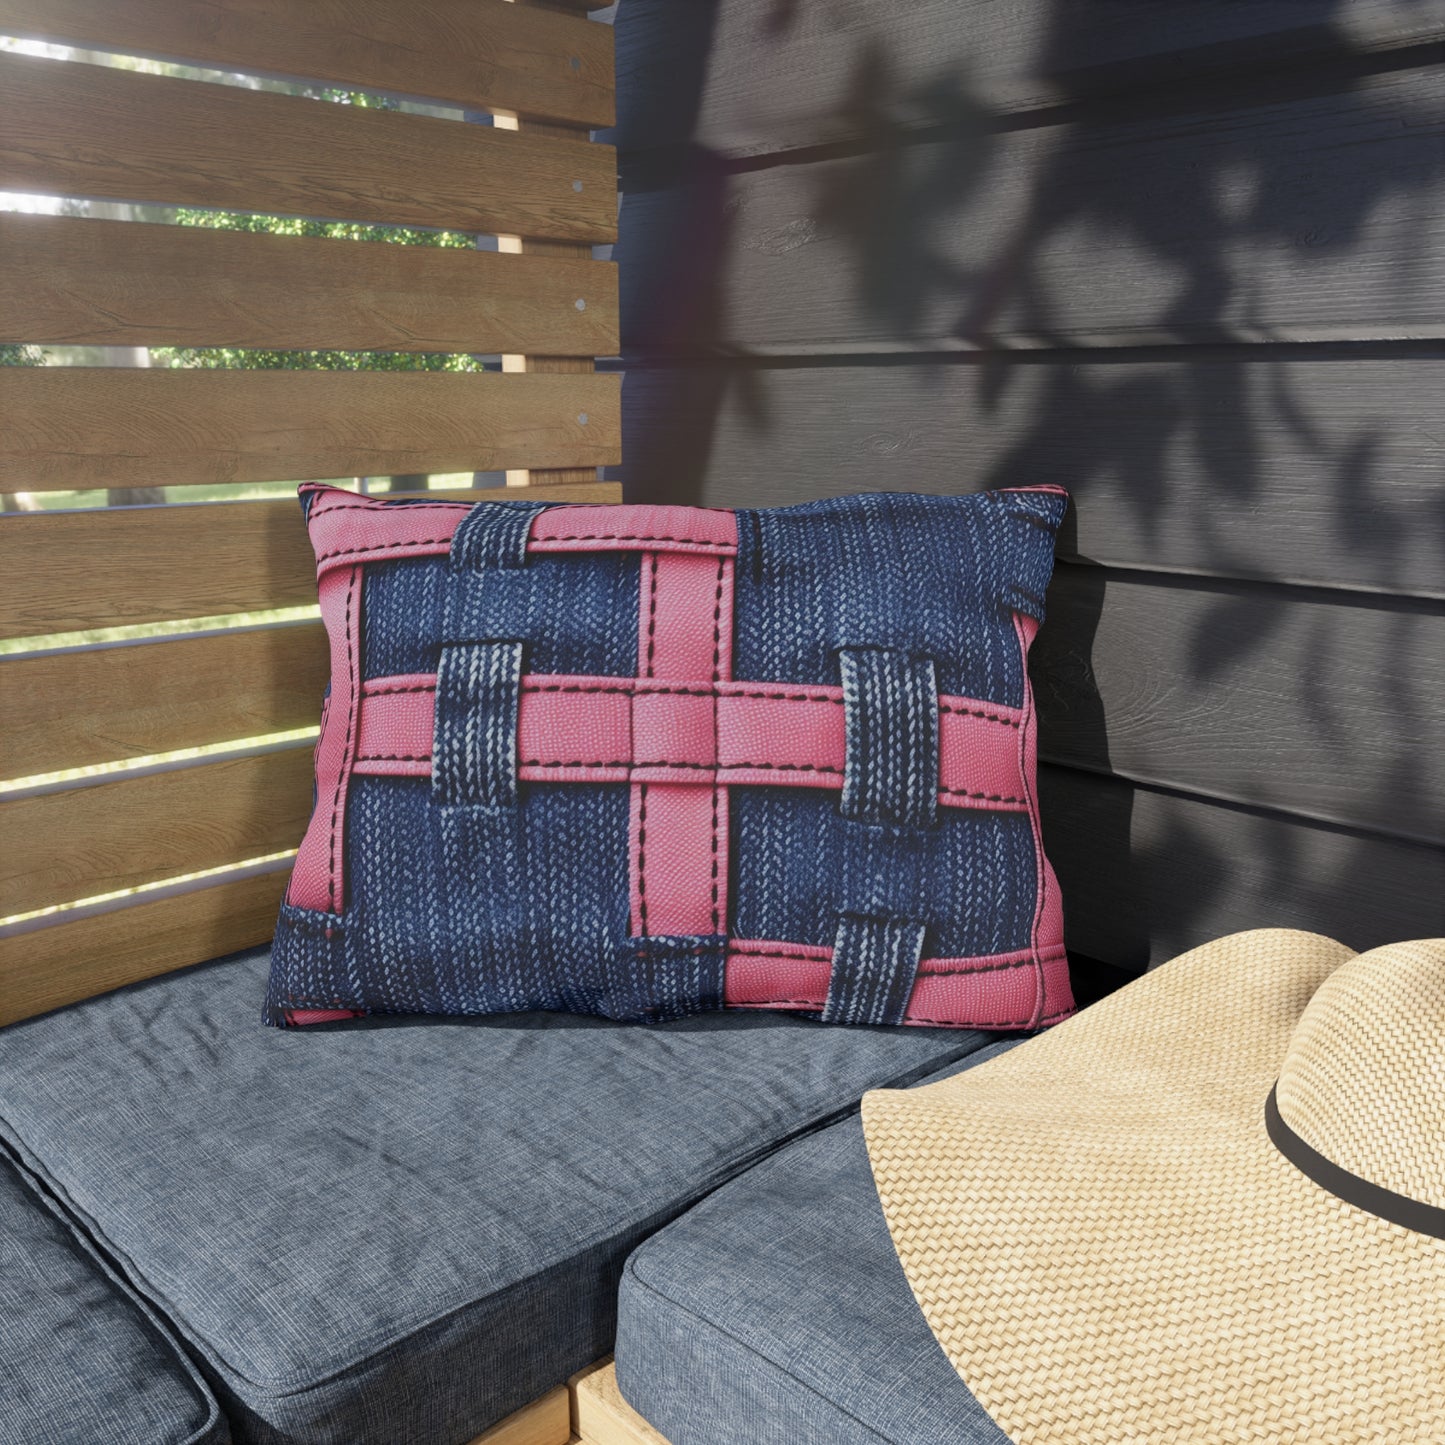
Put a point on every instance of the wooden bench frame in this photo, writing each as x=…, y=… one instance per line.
x=587, y=1410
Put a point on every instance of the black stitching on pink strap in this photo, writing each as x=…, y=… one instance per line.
x=385, y=547
x=642, y=859
x=630, y=537
x=353, y=707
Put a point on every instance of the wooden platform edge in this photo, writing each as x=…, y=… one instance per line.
x=600, y=1416
x=546, y=1421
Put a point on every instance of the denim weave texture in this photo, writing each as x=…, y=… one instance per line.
x=474, y=894
x=392, y=1230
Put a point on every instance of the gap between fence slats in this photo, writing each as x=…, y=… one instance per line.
x=66, y=572
x=535, y=359
x=89, y=130
x=84, y=842
x=45, y=968
x=76, y=427
x=476, y=54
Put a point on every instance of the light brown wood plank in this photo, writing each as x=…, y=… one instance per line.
x=78, y=427
x=600, y=1415
x=89, y=130
x=104, y=704
x=73, y=571
x=64, y=846
x=478, y=54
x=546, y=1421
x=46, y=968
x=69, y=281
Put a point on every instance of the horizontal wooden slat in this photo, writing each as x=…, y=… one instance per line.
x=45, y=968
x=478, y=54
x=84, y=842
x=1148, y=874
x=91, y=130
x=747, y=77
x=1312, y=217
x=1309, y=702
x=72, y=709
x=1317, y=468
x=78, y=427
x=73, y=571
x=69, y=281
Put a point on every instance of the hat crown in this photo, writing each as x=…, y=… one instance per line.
x=1363, y=1081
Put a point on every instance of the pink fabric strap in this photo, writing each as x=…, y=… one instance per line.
x=653, y=730
x=348, y=530
x=678, y=838
x=318, y=879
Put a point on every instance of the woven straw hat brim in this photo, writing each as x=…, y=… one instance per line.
x=1110, y=1250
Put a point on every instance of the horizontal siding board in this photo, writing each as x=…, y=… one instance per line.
x=46, y=968
x=93, y=131
x=1316, y=216
x=60, y=847
x=478, y=54
x=1317, y=469
x=71, y=281
x=1301, y=701
x=79, y=427
x=747, y=77
x=80, y=707
x=73, y=571
x=1147, y=874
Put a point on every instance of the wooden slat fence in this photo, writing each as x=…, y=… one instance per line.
x=220, y=666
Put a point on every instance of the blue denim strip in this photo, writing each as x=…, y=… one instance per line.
x=874, y=963
x=312, y=956
x=474, y=742
x=890, y=718
x=494, y=536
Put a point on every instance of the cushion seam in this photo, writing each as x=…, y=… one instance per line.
x=159, y=1325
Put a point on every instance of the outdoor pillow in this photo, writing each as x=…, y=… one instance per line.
x=646, y=762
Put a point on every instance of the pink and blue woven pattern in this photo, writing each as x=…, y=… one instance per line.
x=646, y=762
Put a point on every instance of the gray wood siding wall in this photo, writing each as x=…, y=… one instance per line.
x=1187, y=260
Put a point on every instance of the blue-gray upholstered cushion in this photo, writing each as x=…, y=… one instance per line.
x=81, y=1360
x=403, y=1229
x=776, y=1311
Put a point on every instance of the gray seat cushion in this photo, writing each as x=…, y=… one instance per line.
x=81, y=1360
x=403, y=1229
x=776, y=1312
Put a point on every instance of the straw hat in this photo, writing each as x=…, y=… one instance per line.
x=1209, y=1208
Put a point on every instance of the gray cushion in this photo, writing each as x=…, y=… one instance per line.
x=81, y=1360
x=776, y=1312
x=403, y=1229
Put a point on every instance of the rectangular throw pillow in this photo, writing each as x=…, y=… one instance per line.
x=649, y=761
